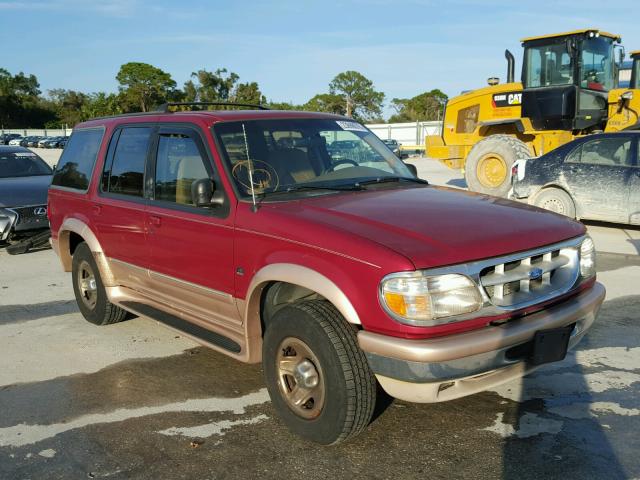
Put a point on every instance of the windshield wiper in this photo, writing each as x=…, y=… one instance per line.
x=301, y=188
x=374, y=181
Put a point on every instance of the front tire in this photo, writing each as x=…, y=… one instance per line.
x=318, y=378
x=89, y=290
x=488, y=165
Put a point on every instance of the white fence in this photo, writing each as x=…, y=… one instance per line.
x=408, y=134
x=41, y=132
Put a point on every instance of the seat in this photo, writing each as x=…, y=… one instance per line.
x=292, y=165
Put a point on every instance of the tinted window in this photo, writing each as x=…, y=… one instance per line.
x=78, y=159
x=178, y=164
x=612, y=151
x=22, y=164
x=126, y=175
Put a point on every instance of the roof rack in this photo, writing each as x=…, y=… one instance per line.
x=165, y=106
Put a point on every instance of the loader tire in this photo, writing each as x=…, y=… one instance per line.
x=488, y=165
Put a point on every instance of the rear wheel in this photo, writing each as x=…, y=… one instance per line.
x=317, y=376
x=89, y=290
x=556, y=200
x=488, y=165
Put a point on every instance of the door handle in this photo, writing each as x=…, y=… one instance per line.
x=155, y=221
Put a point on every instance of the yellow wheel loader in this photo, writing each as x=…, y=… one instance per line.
x=568, y=89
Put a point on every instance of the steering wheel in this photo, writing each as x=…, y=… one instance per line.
x=264, y=176
x=344, y=161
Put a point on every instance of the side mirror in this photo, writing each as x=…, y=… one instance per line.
x=204, y=194
x=412, y=168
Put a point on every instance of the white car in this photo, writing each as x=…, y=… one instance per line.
x=16, y=142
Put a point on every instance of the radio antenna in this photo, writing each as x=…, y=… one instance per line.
x=250, y=168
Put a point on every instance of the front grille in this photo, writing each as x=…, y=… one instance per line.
x=529, y=279
x=28, y=215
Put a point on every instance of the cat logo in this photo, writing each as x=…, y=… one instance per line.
x=508, y=99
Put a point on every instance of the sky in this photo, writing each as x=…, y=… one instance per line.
x=292, y=48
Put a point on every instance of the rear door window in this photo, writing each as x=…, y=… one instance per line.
x=611, y=151
x=78, y=158
x=124, y=175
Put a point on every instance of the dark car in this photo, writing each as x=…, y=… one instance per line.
x=24, y=180
x=394, y=146
x=63, y=143
x=596, y=177
x=29, y=141
x=33, y=141
x=51, y=142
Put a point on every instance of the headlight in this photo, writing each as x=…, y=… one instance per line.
x=418, y=299
x=587, y=257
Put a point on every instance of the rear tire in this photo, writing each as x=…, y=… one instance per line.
x=488, y=165
x=556, y=200
x=89, y=290
x=311, y=342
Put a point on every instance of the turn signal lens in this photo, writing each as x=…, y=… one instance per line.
x=587, y=258
x=420, y=300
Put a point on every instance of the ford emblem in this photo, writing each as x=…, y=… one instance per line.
x=40, y=211
x=535, y=273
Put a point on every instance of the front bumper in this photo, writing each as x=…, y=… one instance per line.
x=445, y=368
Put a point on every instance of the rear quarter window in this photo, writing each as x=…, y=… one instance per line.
x=77, y=161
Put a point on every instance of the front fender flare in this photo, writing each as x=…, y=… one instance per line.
x=297, y=275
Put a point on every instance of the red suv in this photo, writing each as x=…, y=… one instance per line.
x=300, y=240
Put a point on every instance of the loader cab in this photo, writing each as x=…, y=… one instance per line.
x=635, y=71
x=566, y=78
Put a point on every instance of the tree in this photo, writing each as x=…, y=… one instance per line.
x=284, y=106
x=68, y=105
x=361, y=99
x=423, y=107
x=20, y=104
x=143, y=86
x=101, y=104
x=327, y=102
x=248, y=93
x=206, y=86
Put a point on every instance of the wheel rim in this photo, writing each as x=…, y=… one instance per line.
x=554, y=205
x=300, y=378
x=87, y=285
x=492, y=170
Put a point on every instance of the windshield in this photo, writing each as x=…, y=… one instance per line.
x=288, y=154
x=548, y=65
x=597, y=64
x=635, y=73
x=22, y=164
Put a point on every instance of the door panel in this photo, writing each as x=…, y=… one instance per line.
x=119, y=213
x=191, y=248
x=597, y=174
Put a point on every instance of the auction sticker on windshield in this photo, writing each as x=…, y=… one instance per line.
x=351, y=126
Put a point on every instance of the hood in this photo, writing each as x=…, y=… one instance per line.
x=434, y=226
x=24, y=191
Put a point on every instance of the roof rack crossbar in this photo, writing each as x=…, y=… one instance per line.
x=165, y=106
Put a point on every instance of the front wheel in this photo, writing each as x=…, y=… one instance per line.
x=317, y=376
x=488, y=165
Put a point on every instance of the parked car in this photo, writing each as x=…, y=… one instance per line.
x=335, y=274
x=394, y=146
x=595, y=177
x=42, y=141
x=33, y=142
x=5, y=138
x=52, y=142
x=15, y=142
x=63, y=143
x=29, y=141
x=24, y=181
